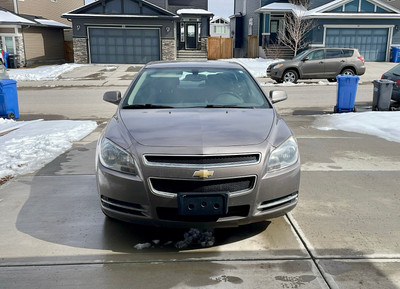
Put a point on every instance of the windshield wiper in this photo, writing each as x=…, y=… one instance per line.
x=147, y=105
x=226, y=106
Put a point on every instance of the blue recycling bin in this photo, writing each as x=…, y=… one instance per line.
x=8, y=99
x=395, y=53
x=346, y=92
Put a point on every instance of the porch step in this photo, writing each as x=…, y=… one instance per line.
x=278, y=52
x=192, y=55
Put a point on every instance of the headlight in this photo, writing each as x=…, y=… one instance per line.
x=116, y=158
x=283, y=156
x=278, y=66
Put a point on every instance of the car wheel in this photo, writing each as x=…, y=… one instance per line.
x=290, y=76
x=332, y=79
x=347, y=71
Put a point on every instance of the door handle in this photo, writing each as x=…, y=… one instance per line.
x=342, y=61
x=321, y=62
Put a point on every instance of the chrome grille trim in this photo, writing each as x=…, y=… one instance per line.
x=278, y=202
x=174, y=195
x=189, y=165
x=121, y=206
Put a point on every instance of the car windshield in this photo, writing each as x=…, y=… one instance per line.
x=194, y=87
x=395, y=70
x=300, y=55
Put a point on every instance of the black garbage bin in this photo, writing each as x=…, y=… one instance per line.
x=382, y=94
x=12, y=61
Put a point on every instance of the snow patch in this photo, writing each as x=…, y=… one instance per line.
x=378, y=123
x=46, y=72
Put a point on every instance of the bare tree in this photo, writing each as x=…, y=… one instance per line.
x=296, y=27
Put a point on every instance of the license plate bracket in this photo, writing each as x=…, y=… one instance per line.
x=201, y=204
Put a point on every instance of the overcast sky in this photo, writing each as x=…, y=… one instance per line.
x=222, y=8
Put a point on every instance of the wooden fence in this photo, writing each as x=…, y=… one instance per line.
x=220, y=48
x=252, y=48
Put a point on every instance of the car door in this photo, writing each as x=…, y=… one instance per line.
x=335, y=60
x=312, y=65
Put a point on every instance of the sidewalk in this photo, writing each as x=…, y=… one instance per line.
x=105, y=75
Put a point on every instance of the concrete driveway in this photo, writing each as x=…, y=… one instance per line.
x=344, y=233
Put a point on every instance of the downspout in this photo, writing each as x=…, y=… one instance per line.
x=16, y=7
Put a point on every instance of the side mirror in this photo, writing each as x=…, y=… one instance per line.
x=277, y=95
x=112, y=97
x=305, y=59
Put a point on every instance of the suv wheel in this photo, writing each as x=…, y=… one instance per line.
x=290, y=76
x=348, y=71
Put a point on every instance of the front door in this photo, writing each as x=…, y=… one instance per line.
x=191, y=36
x=274, y=32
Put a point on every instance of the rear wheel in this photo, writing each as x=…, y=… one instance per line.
x=290, y=76
x=348, y=71
x=11, y=115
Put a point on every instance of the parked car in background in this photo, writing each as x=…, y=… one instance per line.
x=318, y=63
x=196, y=144
x=3, y=72
x=394, y=75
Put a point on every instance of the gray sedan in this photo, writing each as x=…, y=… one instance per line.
x=196, y=144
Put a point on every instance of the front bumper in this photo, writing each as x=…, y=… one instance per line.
x=134, y=199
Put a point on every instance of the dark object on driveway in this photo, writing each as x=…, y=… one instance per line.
x=382, y=94
x=196, y=144
x=8, y=99
x=346, y=93
x=318, y=63
x=394, y=75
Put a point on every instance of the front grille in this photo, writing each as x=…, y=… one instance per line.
x=123, y=207
x=200, y=186
x=202, y=161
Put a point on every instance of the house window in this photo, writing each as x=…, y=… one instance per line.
x=182, y=32
x=220, y=29
x=7, y=44
x=367, y=6
x=351, y=6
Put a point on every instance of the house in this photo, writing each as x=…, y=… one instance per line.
x=32, y=31
x=139, y=31
x=372, y=26
x=220, y=27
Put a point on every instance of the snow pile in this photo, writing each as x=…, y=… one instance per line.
x=47, y=72
x=37, y=143
x=256, y=66
x=379, y=123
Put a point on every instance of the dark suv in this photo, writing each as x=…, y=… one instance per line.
x=318, y=63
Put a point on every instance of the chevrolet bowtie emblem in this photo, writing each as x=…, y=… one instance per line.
x=203, y=174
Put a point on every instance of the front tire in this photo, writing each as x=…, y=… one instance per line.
x=290, y=76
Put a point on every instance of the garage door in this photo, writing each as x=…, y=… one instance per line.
x=371, y=42
x=113, y=45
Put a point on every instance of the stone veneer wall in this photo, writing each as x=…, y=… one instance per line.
x=20, y=51
x=204, y=44
x=81, y=50
x=168, y=49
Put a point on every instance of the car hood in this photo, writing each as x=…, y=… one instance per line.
x=198, y=127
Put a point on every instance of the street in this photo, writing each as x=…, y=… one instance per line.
x=344, y=233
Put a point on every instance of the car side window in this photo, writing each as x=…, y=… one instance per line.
x=334, y=53
x=348, y=52
x=316, y=55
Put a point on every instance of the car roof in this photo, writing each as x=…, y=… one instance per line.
x=194, y=64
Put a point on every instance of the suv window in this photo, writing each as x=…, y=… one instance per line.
x=348, y=52
x=316, y=55
x=333, y=53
